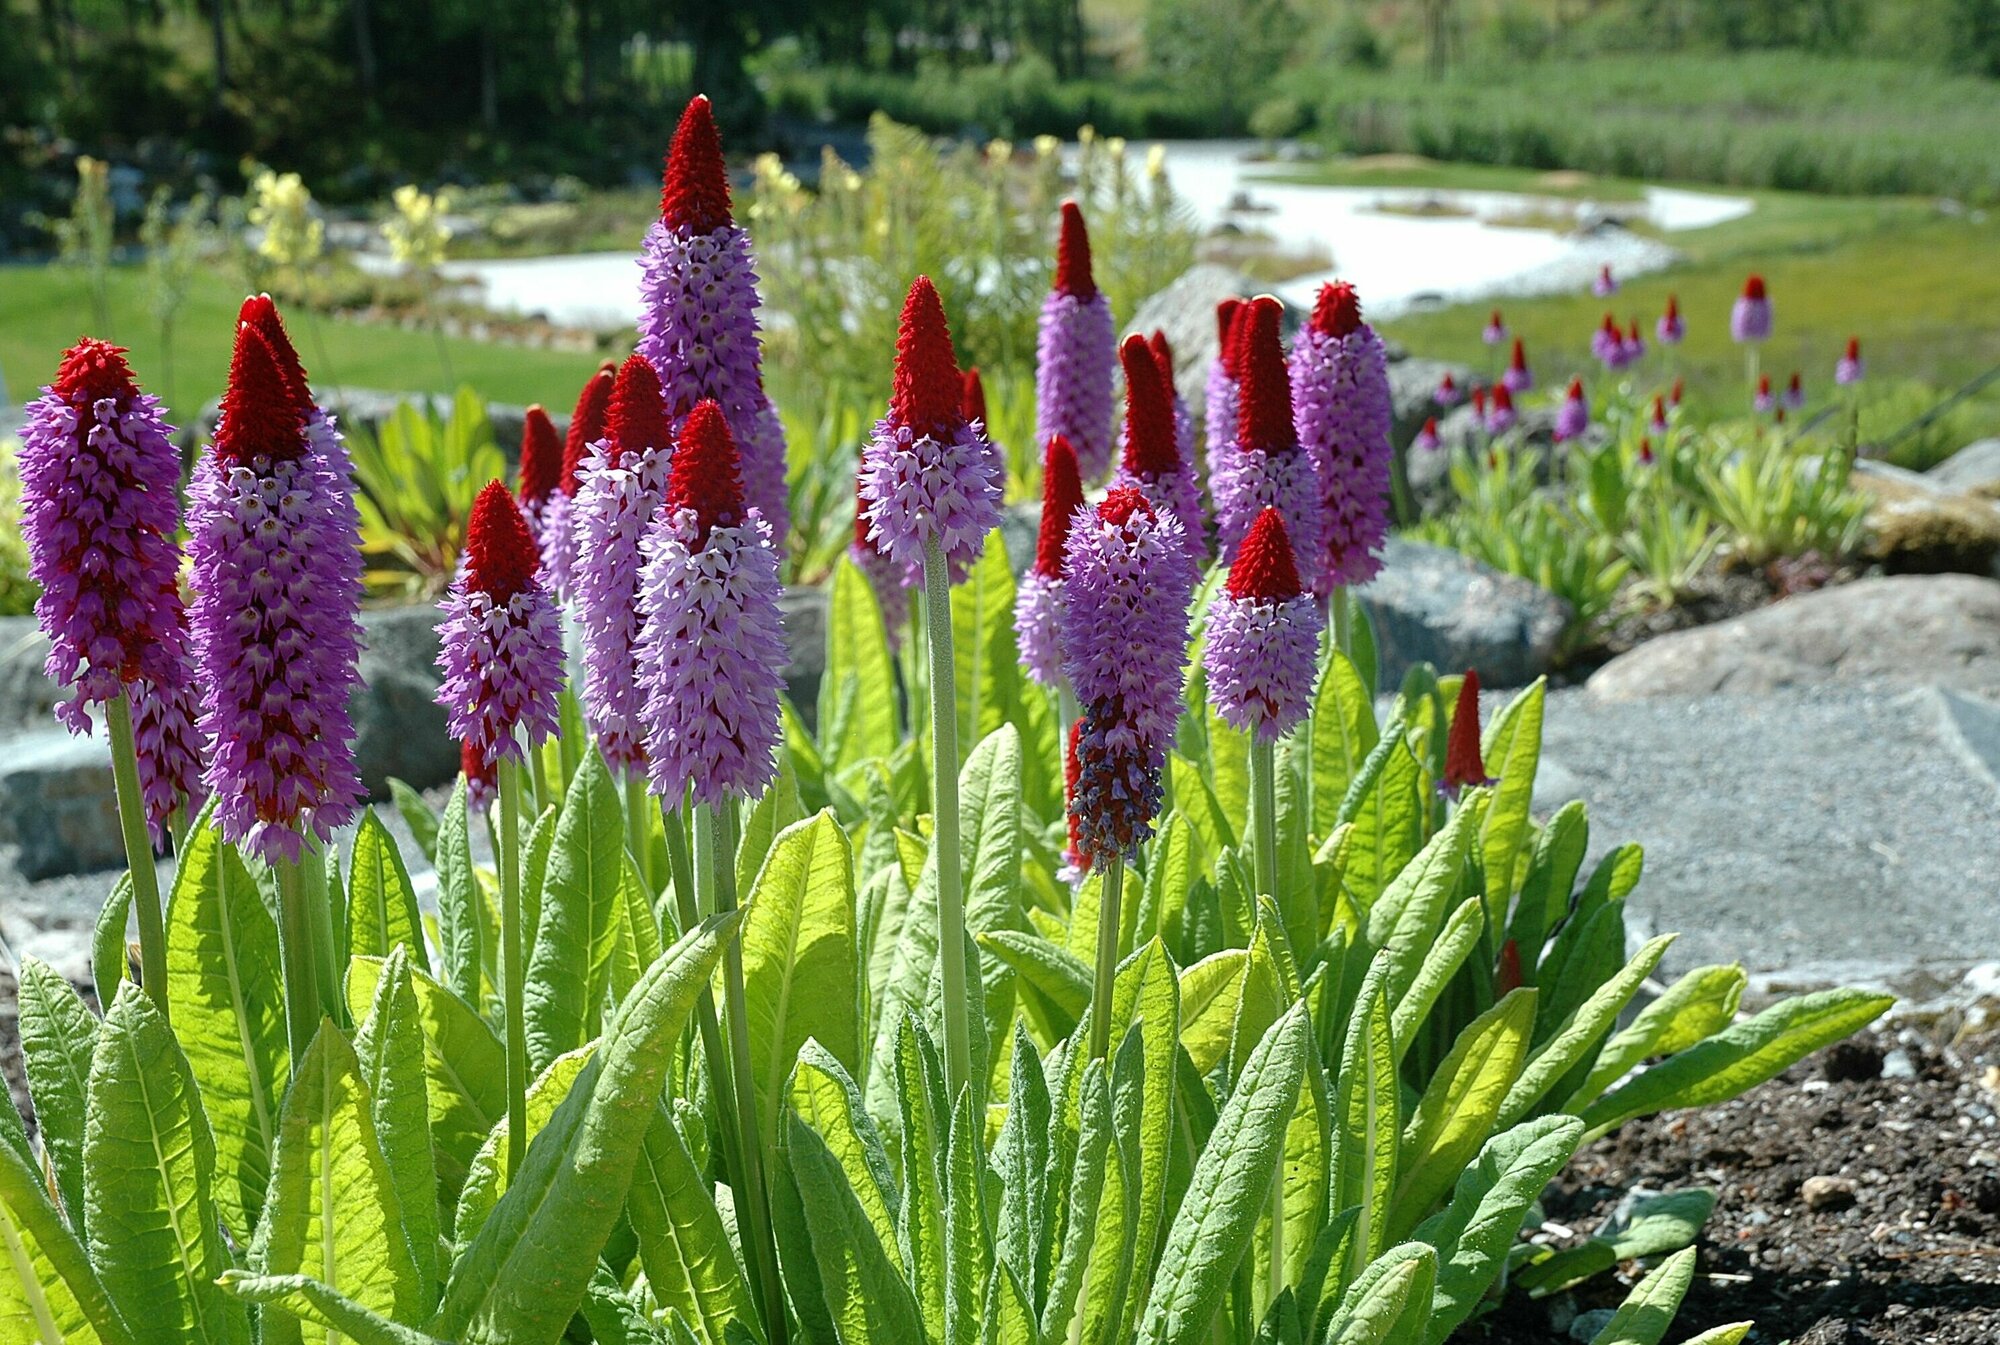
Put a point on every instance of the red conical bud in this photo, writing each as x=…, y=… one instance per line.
x=927, y=393
x=1462, y=766
x=637, y=418
x=1431, y=426
x=1507, y=977
x=1853, y=347
x=1226, y=313
x=1646, y=449
x=1149, y=415
x=1673, y=307
x=95, y=369
x=1163, y=356
x=586, y=423
x=1072, y=768
x=477, y=769
x=1753, y=288
x=1120, y=503
x=1264, y=407
x=1337, y=312
x=500, y=551
x=260, y=312
x=1520, y=360
x=1575, y=390
x=1764, y=386
x=1503, y=397
x=541, y=455
x=706, y=475
x=1073, y=256
x=973, y=401
x=261, y=415
x=695, y=196
x=1479, y=399
x=1264, y=567
x=1675, y=396
x=1062, y=495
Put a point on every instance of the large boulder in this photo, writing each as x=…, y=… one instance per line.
x=1432, y=605
x=399, y=728
x=57, y=809
x=1899, y=630
x=1917, y=526
x=1973, y=470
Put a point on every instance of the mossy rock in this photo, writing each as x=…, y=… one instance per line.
x=1912, y=530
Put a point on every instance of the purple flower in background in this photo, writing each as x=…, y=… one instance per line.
x=1447, y=394
x=1128, y=581
x=1750, y=317
x=1263, y=463
x=1184, y=438
x=1075, y=353
x=541, y=468
x=1764, y=400
x=1500, y=412
x=1517, y=375
x=712, y=655
x=1794, y=396
x=1607, y=343
x=499, y=645
x=1604, y=286
x=624, y=480
x=1635, y=344
x=1219, y=404
x=275, y=624
x=1150, y=459
x=1573, y=416
x=1849, y=369
x=1496, y=330
x=1670, y=329
x=98, y=513
x=482, y=778
x=1427, y=438
x=1261, y=649
x=586, y=427
x=1345, y=417
x=927, y=474
x=1038, y=603
x=1656, y=423
x=698, y=316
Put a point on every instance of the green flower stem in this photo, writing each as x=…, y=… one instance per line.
x=681, y=869
x=1264, y=813
x=754, y=1205
x=138, y=851
x=636, y=828
x=538, y=768
x=944, y=822
x=295, y=952
x=509, y=859
x=1109, y=898
x=326, y=950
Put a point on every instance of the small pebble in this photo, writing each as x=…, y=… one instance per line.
x=1898, y=1065
x=1822, y=1194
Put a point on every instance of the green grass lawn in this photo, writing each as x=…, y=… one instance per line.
x=43, y=310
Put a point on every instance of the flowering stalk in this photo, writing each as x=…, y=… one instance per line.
x=1075, y=353
x=1463, y=768
x=1219, y=405
x=1750, y=322
x=1038, y=604
x=931, y=484
x=1151, y=461
x=1265, y=464
x=586, y=427
x=1344, y=413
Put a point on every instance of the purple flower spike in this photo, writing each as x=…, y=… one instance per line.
x=1765, y=400
x=712, y=655
x=500, y=645
x=172, y=753
x=1150, y=459
x=586, y=427
x=1038, y=603
x=624, y=480
x=1517, y=376
x=1573, y=416
x=1794, y=397
x=1075, y=353
x=1345, y=417
x=698, y=320
x=927, y=473
x=1604, y=286
x=1263, y=463
x=98, y=512
x=1670, y=329
x=1261, y=650
x=1849, y=368
x=1635, y=344
x=1219, y=394
x=1750, y=316
x=1496, y=330
x=1128, y=580
x=1500, y=415
x=1608, y=344
x=275, y=624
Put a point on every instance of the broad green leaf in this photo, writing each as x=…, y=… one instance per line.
x=1695, y=1007
x=857, y=708
x=1653, y=1227
x=332, y=1214
x=460, y=928
x=1741, y=1056
x=465, y=1068
x=1229, y=770
x=1387, y=1303
x=110, y=954
x=1441, y=963
x=968, y=1249
x=1116, y=1235
x=1343, y=734
x=920, y=1231
x=570, y=972
x=1552, y=870
x=635, y=933
x=1580, y=1033
x=49, y=1292
x=390, y=1047
x=1270, y=986
x=1210, y=991
x=1367, y=1117
x=524, y=1275
x=1046, y=969
x=799, y=970
x=418, y=816
x=1473, y=1233
x=148, y=1165
x=1304, y=1168
x=1385, y=806
x=1731, y=1334
x=1455, y=1114
x=535, y=877
x=615, y=1319
x=1171, y=870
x=58, y=1034
x=1197, y=802
x=776, y=808
x=1647, y=1312
x=226, y=985
x=1062, y=1311
x=304, y=1301
x=1514, y=749
x=985, y=658
x=1411, y=909
x=1021, y=1161
x=690, y=1264
x=489, y=1175
x=1230, y=1186
x=381, y=901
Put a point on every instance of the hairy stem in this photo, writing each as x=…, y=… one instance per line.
x=1110, y=899
x=509, y=860
x=138, y=851
x=944, y=822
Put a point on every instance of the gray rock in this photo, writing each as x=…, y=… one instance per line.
x=1825, y=1194
x=1974, y=469
x=57, y=808
x=1413, y=387
x=1900, y=630
x=803, y=611
x=399, y=728
x=27, y=697
x=1438, y=606
x=1971, y=725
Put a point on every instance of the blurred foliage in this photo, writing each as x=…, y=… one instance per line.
x=17, y=591
x=416, y=477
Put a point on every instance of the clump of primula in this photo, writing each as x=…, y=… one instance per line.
x=541, y=468
x=99, y=514
x=1074, y=354
x=1345, y=417
x=1264, y=463
x=1219, y=406
x=586, y=427
x=1463, y=768
x=1750, y=316
x=1128, y=580
x=276, y=617
x=1038, y=604
x=712, y=652
x=1495, y=331
x=1427, y=438
x=624, y=479
x=1764, y=400
x=928, y=476
x=1573, y=416
x=1447, y=394
x=698, y=316
x=1518, y=377
x=1261, y=644
x=1150, y=459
